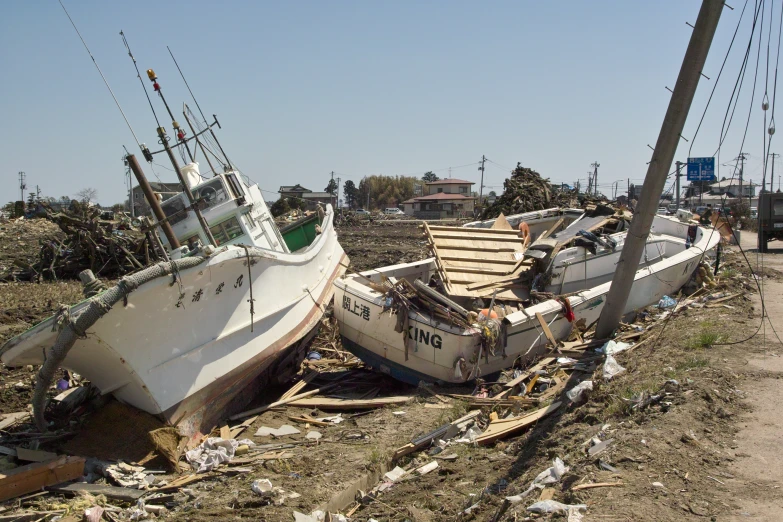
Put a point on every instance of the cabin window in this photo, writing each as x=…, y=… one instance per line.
x=174, y=209
x=212, y=193
x=777, y=208
x=226, y=231
x=251, y=223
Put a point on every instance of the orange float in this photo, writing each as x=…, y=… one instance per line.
x=524, y=232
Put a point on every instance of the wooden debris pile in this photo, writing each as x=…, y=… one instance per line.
x=88, y=243
x=527, y=191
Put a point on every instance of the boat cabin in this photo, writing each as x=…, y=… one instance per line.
x=234, y=209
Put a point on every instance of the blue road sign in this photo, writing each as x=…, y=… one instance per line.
x=701, y=169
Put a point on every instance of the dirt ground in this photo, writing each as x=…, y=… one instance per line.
x=710, y=450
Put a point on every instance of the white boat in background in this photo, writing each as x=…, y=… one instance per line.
x=430, y=348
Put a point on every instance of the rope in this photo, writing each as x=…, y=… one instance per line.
x=250, y=284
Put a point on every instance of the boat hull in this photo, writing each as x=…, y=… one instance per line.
x=187, y=349
x=439, y=352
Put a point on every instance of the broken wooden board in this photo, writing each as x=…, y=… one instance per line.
x=348, y=404
x=28, y=455
x=9, y=419
x=77, y=488
x=547, y=331
x=33, y=477
x=598, y=485
x=505, y=427
x=479, y=256
x=540, y=365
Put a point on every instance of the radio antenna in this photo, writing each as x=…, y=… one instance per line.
x=101, y=73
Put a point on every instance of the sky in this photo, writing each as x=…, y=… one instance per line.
x=305, y=88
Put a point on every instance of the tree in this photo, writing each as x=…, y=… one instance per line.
x=296, y=203
x=331, y=187
x=385, y=191
x=429, y=177
x=493, y=194
x=87, y=195
x=351, y=194
x=280, y=207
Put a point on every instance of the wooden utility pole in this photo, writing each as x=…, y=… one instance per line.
x=595, y=166
x=658, y=169
x=152, y=199
x=772, y=177
x=481, y=186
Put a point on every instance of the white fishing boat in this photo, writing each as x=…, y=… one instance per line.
x=432, y=342
x=194, y=338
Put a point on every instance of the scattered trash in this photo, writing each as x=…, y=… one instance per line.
x=579, y=392
x=262, y=487
x=313, y=356
x=213, y=452
x=666, y=302
x=395, y=474
x=398, y=413
x=552, y=506
x=599, y=447
x=613, y=347
x=612, y=368
x=313, y=435
x=431, y=466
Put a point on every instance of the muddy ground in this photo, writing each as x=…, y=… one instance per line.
x=683, y=458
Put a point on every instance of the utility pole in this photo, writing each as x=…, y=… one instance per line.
x=22, y=185
x=595, y=166
x=772, y=177
x=589, y=182
x=741, y=158
x=338, y=193
x=677, y=184
x=331, y=190
x=481, y=187
x=658, y=169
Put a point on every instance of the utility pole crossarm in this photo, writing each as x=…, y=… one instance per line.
x=658, y=169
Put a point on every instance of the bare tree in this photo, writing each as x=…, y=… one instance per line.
x=87, y=195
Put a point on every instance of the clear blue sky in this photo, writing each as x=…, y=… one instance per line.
x=303, y=88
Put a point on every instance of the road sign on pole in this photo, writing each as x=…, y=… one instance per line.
x=701, y=169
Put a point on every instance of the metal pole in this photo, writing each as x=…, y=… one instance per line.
x=198, y=142
x=677, y=185
x=185, y=188
x=153, y=201
x=595, y=166
x=657, y=171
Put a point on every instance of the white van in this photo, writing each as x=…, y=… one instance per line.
x=393, y=211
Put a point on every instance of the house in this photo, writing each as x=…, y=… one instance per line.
x=444, y=198
x=312, y=198
x=732, y=187
x=166, y=191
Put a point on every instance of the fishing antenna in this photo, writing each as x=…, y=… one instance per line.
x=228, y=161
x=102, y=76
x=138, y=75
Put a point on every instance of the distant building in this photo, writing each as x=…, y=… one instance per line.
x=444, y=198
x=312, y=198
x=166, y=191
x=732, y=187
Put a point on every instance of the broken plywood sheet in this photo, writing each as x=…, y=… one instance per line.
x=488, y=258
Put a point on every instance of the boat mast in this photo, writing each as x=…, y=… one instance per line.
x=164, y=140
x=657, y=172
x=153, y=201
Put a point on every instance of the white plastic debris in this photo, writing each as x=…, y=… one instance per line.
x=282, y=431
x=612, y=368
x=431, y=466
x=565, y=361
x=398, y=412
x=313, y=435
x=213, y=452
x=470, y=435
x=301, y=517
x=334, y=419
x=262, y=487
x=579, y=392
x=612, y=347
x=548, y=476
x=395, y=474
x=553, y=506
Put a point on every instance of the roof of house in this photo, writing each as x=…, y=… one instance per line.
x=451, y=181
x=440, y=196
x=733, y=182
x=294, y=188
x=316, y=195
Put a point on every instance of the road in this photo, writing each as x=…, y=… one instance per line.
x=760, y=434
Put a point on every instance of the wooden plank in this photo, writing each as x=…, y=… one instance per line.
x=126, y=494
x=498, y=430
x=546, y=329
x=438, y=261
x=481, y=260
x=225, y=432
x=493, y=250
x=474, y=229
x=466, y=235
x=9, y=419
x=304, y=381
x=314, y=422
x=348, y=404
x=236, y=430
x=469, y=270
x=33, y=477
x=262, y=409
x=713, y=304
x=551, y=230
x=597, y=485
x=28, y=455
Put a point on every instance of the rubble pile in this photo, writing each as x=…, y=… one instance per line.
x=88, y=243
x=527, y=191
